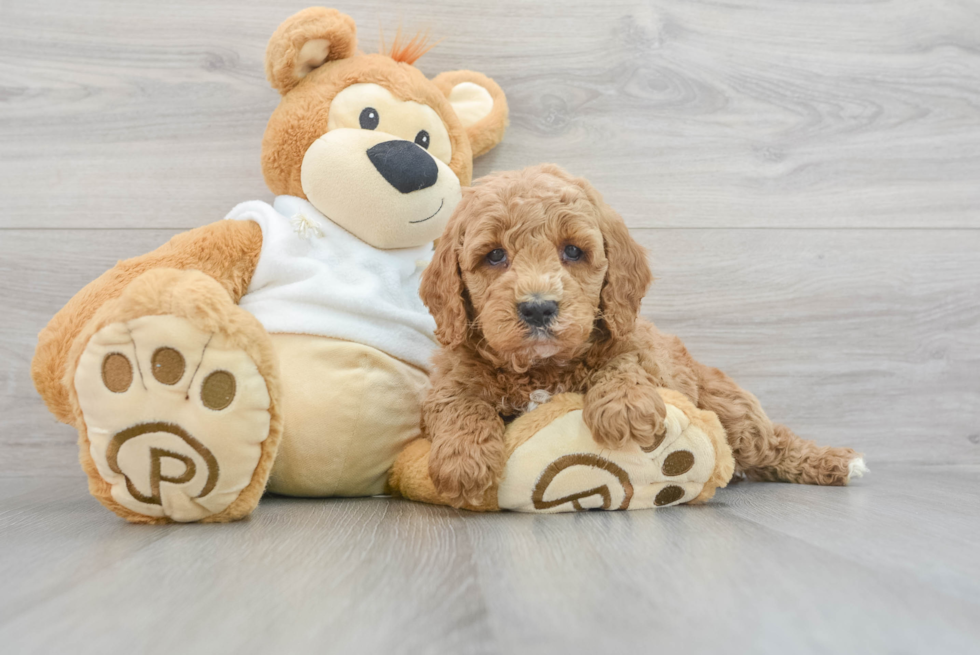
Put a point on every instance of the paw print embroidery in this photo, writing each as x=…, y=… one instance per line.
x=598, y=496
x=175, y=416
x=683, y=459
x=561, y=468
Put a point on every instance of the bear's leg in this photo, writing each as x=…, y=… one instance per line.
x=767, y=451
x=553, y=463
x=348, y=411
x=175, y=394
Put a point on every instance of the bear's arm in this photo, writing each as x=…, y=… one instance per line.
x=228, y=251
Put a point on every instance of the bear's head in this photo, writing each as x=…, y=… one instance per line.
x=372, y=143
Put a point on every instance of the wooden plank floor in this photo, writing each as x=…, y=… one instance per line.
x=806, y=176
x=886, y=566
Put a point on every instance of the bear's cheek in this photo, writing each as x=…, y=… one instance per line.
x=387, y=191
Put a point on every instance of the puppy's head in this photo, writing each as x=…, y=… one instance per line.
x=534, y=265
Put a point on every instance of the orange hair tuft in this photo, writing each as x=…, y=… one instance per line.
x=407, y=52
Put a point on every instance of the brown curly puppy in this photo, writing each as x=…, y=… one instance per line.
x=536, y=284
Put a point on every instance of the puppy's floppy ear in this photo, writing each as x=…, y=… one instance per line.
x=441, y=288
x=480, y=105
x=627, y=277
x=306, y=41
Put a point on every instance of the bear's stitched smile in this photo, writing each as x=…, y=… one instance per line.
x=441, y=203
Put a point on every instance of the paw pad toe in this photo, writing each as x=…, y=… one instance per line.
x=667, y=495
x=168, y=365
x=678, y=463
x=218, y=390
x=117, y=372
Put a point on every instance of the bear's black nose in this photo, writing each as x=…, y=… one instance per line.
x=405, y=166
x=538, y=313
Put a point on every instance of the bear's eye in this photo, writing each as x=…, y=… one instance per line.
x=496, y=256
x=422, y=139
x=369, y=118
x=572, y=253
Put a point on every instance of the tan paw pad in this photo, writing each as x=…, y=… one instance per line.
x=561, y=468
x=175, y=417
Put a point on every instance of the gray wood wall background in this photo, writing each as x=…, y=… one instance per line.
x=806, y=176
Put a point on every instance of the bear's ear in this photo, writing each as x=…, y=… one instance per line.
x=306, y=41
x=480, y=105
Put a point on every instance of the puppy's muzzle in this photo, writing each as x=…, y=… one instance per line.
x=537, y=313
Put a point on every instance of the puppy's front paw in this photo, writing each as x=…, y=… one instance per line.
x=463, y=472
x=618, y=414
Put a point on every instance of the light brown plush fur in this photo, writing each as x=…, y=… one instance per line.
x=228, y=251
x=301, y=116
x=286, y=44
x=491, y=362
x=487, y=133
x=203, y=302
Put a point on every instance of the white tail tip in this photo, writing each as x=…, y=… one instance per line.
x=856, y=468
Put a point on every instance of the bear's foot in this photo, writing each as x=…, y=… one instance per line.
x=555, y=465
x=176, y=414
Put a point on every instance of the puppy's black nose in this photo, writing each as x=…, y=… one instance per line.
x=405, y=166
x=538, y=313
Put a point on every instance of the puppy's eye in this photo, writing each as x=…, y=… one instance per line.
x=422, y=139
x=572, y=253
x=497, y=256
x=369, y=118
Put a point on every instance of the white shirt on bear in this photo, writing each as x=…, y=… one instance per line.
x=314, y=277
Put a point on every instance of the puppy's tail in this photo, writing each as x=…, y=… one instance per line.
x=767, y=451
x=804, y=462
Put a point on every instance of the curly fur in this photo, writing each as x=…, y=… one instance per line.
x=490, y=361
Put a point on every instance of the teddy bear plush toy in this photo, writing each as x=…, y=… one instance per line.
x=285, y=347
